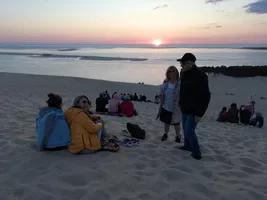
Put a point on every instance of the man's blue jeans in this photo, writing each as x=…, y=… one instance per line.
x=190, y=137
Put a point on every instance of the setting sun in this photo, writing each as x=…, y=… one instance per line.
x=157, y=42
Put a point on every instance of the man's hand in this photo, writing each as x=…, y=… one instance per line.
x=197, y=119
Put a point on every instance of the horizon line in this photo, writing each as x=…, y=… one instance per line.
x=60, y=43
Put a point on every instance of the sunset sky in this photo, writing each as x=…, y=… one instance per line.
x=134, y=21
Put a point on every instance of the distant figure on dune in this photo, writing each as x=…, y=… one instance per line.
x=114, y=104
x=194, y=101
x=127, y=107
x=169, y=109
x=86, y=130
x=52, y=130
x=101, y=103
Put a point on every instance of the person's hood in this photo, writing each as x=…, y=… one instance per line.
x=44, y=110
x=116, y=97
x=71, y=113
x=127, y=97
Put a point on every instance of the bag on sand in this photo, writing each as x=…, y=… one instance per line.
x=110, y=143
x=136, y=131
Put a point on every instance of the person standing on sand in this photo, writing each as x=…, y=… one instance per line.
x=194, y=101
x=169, y=109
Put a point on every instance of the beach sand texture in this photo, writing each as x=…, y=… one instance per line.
x=234, y=164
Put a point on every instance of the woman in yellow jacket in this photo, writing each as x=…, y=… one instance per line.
x=86, y=130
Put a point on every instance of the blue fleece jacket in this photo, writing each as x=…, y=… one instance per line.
x=51, y=129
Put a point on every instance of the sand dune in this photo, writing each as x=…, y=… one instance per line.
x=234, y=164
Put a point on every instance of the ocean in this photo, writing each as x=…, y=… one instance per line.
x=123, y=63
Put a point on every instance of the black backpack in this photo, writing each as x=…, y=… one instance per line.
x=136, y=131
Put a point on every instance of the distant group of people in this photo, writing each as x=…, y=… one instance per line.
x=134, y=97
x=122, y=96
x=115, y=105
x=246, y=114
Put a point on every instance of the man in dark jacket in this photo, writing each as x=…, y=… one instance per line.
x=194, y=101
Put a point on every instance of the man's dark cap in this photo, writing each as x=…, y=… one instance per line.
x=187, y=57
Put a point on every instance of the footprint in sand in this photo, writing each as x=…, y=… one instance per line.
x=75, y=180
x=250, y=170
x=139, y=166
x=174, y=175
x=250, y=162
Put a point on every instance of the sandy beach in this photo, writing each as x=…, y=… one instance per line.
x=233, y=167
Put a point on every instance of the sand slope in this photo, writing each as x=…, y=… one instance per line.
x=234, y=165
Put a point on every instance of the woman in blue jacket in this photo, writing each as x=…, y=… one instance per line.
x=52, y=129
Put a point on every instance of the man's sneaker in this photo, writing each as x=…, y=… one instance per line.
x=196, y=156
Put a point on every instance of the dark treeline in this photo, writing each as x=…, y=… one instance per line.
x=237, y=71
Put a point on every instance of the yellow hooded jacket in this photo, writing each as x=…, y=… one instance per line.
x=83, y=130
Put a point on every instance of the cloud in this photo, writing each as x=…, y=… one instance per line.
x=214, y=1
x=258, y=7
x=160, y=7
x=220, y=11
x=210, y=26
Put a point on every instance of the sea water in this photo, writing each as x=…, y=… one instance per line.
x=124, y=63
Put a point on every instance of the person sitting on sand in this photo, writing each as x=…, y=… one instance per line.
x=127, y=107
x=114, y=94
x=114, y=104
x=106, y=95
x=52, y=129
x=244, y=114
x=135, y=97
x=233, y=114
x=169, y=109
x=257, y=120
x=157, y=99
x=223, y=115
x=251, y=107
x=86, y=130
x=101, y=103
x=143, y=98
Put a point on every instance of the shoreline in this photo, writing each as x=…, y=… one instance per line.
x=80, y=57
x=80, y=78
